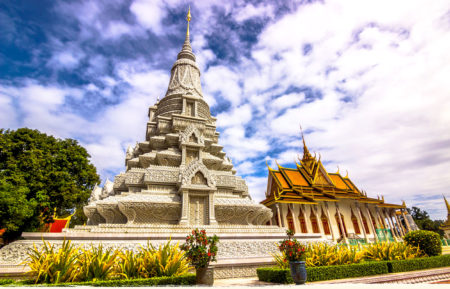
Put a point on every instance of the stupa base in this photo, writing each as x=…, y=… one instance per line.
x=241, y=249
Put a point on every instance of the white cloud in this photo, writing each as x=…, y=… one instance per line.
x=381, y=67
x=149, y=13
x=251, y=11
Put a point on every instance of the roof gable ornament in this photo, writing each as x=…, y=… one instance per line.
x=308, y=161
x=447, y=204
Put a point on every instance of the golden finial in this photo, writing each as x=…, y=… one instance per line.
x=346, y=174
x=188, y=18
x=337, y=170
x=267, y=164
x=446, y=203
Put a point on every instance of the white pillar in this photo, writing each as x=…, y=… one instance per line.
x=341, y=224
x=327, y=212
x=374, y=231
x=295, y=218
x=361, y=221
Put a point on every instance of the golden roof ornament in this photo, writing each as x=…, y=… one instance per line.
x=447, y=204
x=188, y=18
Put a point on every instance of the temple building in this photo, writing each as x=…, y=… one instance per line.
x=309, y=200
x=446, y=226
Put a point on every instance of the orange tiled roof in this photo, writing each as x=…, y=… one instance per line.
x=279, y=177
x=339, y=182
x=295, y=177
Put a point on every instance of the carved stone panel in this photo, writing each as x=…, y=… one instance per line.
x=198, y=210
x=191, y=155
x=199, y=179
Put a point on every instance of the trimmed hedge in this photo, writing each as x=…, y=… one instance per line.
x=275, y=275
x=346, y=271
x=6, y=281
x=419, y=263
x=322, y=273
x=188, y=279
x=427, y=241
x=278, y=275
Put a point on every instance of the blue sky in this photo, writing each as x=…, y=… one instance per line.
x=367, y=80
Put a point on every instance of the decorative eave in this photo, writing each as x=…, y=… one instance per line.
x=390, y=206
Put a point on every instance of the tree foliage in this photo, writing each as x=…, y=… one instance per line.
x=423, y=221
x=38, y=174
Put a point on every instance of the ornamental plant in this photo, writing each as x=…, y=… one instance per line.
x=291, y=248
x=200, y=249
x=427, y=241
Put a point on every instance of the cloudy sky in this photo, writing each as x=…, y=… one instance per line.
x=369, y=81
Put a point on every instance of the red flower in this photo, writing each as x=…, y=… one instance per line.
x=209, y=254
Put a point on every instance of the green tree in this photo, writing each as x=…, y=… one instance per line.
x=38, y=174
x=424, y=222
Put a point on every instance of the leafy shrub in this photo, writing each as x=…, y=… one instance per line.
x=321, y=254
x=70, y=264
x=429, y=242
x=6, y=281
x=51, y=265
x=275, y=275
x=200, y=249
x=97, y=263
x=167, y=260
x=130, y=264
x=278, y=275
x=391, y=251
x=419, y=263
x=346, y=271
x=281, y=260
x=291, y=249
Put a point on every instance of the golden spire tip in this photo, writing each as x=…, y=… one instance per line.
x=188, y=16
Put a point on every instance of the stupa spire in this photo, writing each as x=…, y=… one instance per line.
x=186, y=50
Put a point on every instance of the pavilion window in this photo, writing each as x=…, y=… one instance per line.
x=326, y=226
x=355, y=225
x=302, y=221
x=290, y=221
x=366, y=227
x=373, y=219
x=314, y=223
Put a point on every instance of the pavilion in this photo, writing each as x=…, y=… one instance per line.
x=307, y=199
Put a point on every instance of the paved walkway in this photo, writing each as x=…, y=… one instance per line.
x=431, y=276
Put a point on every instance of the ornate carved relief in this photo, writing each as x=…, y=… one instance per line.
x=161, y=176
x=199, y=179
x=191, y=155
x=185, y=77
x=198, y=210
x=94, y=217
x=190, y=171
x=191, y=135
x=111, y=213
x=150, y=212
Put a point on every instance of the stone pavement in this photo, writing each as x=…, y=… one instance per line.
x=431, y=276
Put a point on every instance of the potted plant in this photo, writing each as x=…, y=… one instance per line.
x=200, y=250
x=295, y=254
